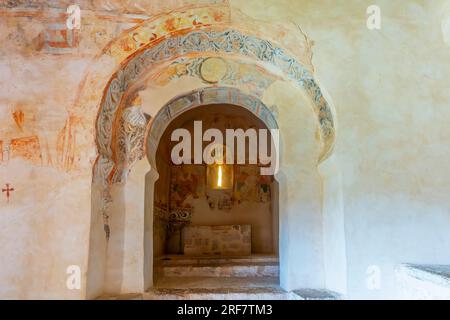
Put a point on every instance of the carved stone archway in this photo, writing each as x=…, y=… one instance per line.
x=227, y=42
x=218, y=96
x=121, y=129
x=197, y=98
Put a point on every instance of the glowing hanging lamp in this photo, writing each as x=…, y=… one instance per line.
x=220, y=176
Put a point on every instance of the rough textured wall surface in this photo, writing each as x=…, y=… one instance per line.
x=390, y=90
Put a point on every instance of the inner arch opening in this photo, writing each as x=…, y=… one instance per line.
x=205, y=236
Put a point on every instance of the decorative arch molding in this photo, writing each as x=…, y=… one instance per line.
x=212, y=69
x=227, y=42
x=200, y=97
x=120, y=130
x=138, y=136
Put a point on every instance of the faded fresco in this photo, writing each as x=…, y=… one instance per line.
x=251, y=185
x=217, y=240
x=187, y=181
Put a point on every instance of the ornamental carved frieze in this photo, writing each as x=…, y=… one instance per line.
x=219, y=71
x=130, y=141
x=223, y=42
x=131, y=127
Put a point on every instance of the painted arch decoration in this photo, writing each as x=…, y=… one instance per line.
x=198, y=98
x=135, y=127
x=225, y=42
x=194, y=34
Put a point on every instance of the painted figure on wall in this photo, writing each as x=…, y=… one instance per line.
x=187, y=181
x=246, y=188
x=19, y=137
x=264, y=188
x=251, y=186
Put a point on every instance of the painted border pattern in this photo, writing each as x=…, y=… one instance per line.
x=227, y=42
x=205, y=96
x=201, y=41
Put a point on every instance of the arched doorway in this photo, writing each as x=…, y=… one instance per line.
x=205, y=236
x=127, y=263
x=254, y=70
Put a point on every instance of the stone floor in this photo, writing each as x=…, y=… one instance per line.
x=211, y=266
x=437, y=273
x=216, y=282
x=255, y=293
x=212, y=277
x=253, y=277
x=182, y=259
x=423, y=282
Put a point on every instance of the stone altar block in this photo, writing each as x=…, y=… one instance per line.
x=232, y=240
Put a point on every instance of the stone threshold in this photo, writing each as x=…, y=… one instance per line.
x=183, y=259
x=229, y=294
x=211, y=266
x=436, y=274
x=216, y=283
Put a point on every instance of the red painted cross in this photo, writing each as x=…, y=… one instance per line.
x=7, y=190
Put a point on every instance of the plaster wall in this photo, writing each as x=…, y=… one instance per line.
x=162, y=194
x=390, y=91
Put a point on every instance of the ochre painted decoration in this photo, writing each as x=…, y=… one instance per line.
x=19, y=118
x=57, y=38
x=232, y=72
x=246, y=187
x=162, y=26
x=27, y=148
x=221, y=200
x=251, y=185
x=210, y=41
x=67, y=144
x=264, y=184
x=213, y=69
x=8, y=191
x=187, y=183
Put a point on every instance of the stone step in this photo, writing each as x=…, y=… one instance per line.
x=203, y=288
x=185, y=260
x=261, y=293
x=215, y=282
x=316, y=294
x=228, y=269
x=218, y=294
